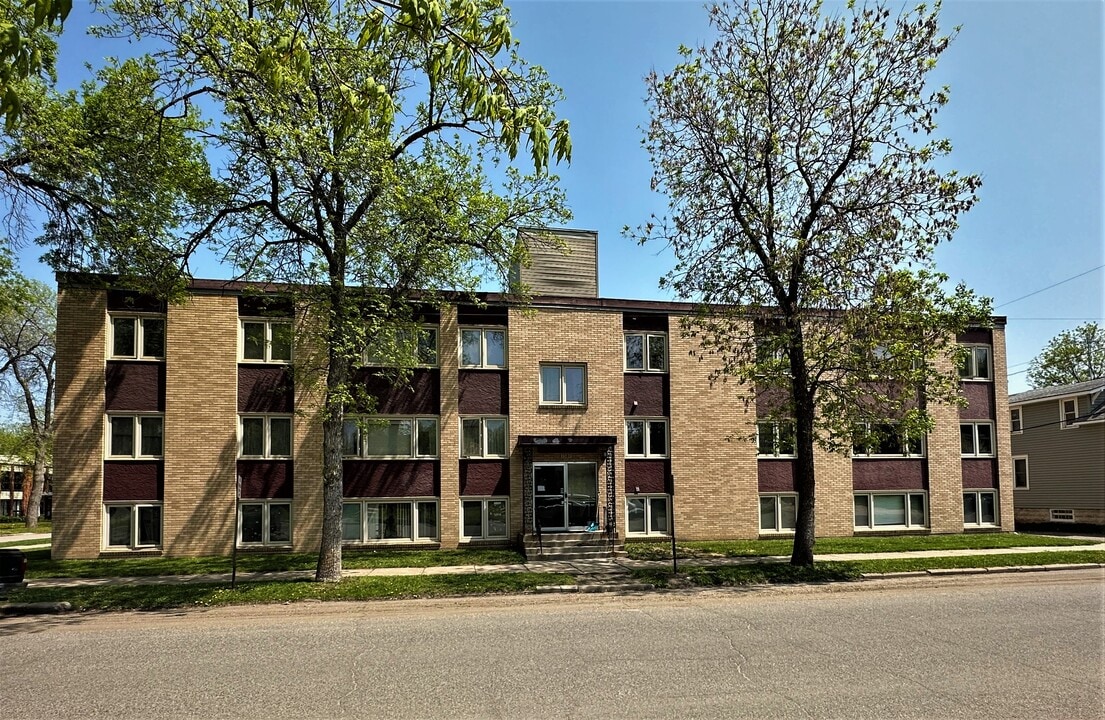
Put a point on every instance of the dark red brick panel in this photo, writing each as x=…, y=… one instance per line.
x=266, y=389
x=646, y=476
x=654, y=322
x=266, y=478
x=134, y=386
x=776, y=475
x=420, y=396
x=391, y=478
x=980, y=401
x=975, y=336
x=134, y=481
x=980, y=473
x=483, y=392
x=651, y=393
x=905, y=474
x=484, y=477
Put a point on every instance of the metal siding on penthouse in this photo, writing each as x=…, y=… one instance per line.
x=570, y=269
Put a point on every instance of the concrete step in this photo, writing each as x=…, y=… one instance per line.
x=570, y=553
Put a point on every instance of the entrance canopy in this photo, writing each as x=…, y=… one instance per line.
x=559, y=443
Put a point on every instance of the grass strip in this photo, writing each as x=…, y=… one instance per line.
x=161, y=597
x=17, y=527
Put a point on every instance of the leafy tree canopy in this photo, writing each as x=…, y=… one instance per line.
x=27, y=47
x=1072, y=356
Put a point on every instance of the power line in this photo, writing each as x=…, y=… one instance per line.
x=1037, y=292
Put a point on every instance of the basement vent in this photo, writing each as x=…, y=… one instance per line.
x=1062, y=516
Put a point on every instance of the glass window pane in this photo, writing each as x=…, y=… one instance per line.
x=985, y=440
x=916, y=509
x=496, y=518
x=635, y=512
x=1020, y=473
x=982, y=362
x=657, y=352
x=470, y=442
x=496, y=436
x=470, y=350
x=122, y=436
x=351, y=521
x=372, y=521
x=634, y=352
x=280, y=523
x=1015, y=420
x=986, y=509
x=550, y=383
x=151, y=435
x=496, y=348
x=786, y=438
x=967, y=439
x=788, y=512
x=427, y=520
x=862, y=511
x=427, y=346
x=153, y=337
x=392, y=439
x=575, y=382
x=970, y=509
x=252, y=523
x=767, y=513
x=281, y=341
x=350, y=435
x=122, y=337
x=658, y=515
x=765, y=439
x=888, y=442
x=149, y=525
x=635, y=437
x=889, y=509
x=657, y=438
x=253, y=436
x=473, y=518
x=253, y=341
x=427, y=437
x=118, y=526
x=395, y=521
x=280, y=436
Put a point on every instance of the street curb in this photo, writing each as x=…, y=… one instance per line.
x=42, y=608
x=620, y=587
x=945, y=572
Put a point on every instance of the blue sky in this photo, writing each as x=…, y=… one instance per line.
x=1026, y=112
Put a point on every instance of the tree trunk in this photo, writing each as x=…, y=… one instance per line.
x=805, y=523
x=33, y=501
x=337, y=381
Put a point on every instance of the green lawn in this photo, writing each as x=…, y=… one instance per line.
x=15, y=527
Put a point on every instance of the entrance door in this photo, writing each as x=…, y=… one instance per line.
x=565, y=496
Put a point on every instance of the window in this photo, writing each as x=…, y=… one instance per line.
x=137, y=337
x=1020, y=472
x=563, y=384
x=646, y=352
x=775, y=438
x=484, y=519
x=265, y=436
x=976, y=439
x=885, y=440
x=1068, y=410
x=646, y=438
x=647, y=514
x=979, y=508
x=390, y=437
x=368, y=521
x=882, y=511
x=135, y=436
x=265, y=522
x=1016, y=422
x=778, y=513
x=975, y=365
x=483, y=437
x=1062, y=516
x=423, y=348
x=482, y=348
x=267, y=341
x=132, y=526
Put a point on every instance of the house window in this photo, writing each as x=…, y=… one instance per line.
x=483, y=437
x=778, y=513
x=1020, y=472
x=647, y=514
x=976, y=439
x=889, y=511
x=137, y=337
x=886, y=440
x=132, y=526
x=135, y=436
x=975, y=364
x=646, y=438
x=371, y=521
x=265, y=436
x=390, y=437
x=265, y=522
x=646, y=352
x=979, y=508
x=420, y=346
x=775, y=438
x=266, y=341
x=482, y=348
x=1069, y=412
x=1016, y=422
x=484, y=518
x=563, y=384
x=1062, y=516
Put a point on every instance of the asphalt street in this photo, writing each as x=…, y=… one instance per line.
x=1005, y=646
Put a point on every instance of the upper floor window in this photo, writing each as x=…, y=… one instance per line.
x=976, y=439
x=886, y=440
x=1020, y=472
x=265, y=436
x=482, y=348
x=138, y=337
x=422, y=345
x=1068, y=412
x=267, y=341
x=483, y=437
x=646, y=352
x=1016, y=420
x=975, y=365
x=775, y=438
x=390, y=437
x=646, y=438
x=135, y=436
x=563, y=384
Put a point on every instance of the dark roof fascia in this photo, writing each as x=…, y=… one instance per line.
x=559, y=442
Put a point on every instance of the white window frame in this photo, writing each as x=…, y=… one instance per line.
x=266, y=529
x=269, y=324
x=775, y=436
x=414, y=420
x=970, y=372
x=414, y=503
x=136, y=434
x=1027, y=483
x=1063, y=422
x=133, y=543
x=903, y=443
x=909, y=523
x=562, y=402
x=778, y=529
x=648, y=498
x=484, y=500
x=1064, y=515
x=139, y=335
x=978, y=508
x=368, y=359
x=484, y=452
x=1016, y=421
x=483, y=330
x=267, y=418
x=646, y=339
x=648, y=452
x=974, y=432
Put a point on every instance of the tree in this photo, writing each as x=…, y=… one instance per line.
x=353, y=138
x=1072, y=356
x=27, y=47
x=804, y=207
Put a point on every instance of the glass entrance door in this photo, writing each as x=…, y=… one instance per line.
x=565, y=496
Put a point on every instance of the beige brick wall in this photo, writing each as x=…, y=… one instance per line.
x=834, y=512
x=945, y=466
x=449, y=428
x=1004, y=432
x=714, y=463
x=79, y=409
x=309, y=372
x=201, y=419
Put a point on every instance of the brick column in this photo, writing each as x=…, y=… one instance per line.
x=1002, y=427
x=945, y=465
x=309, y=363
x=449, y=429
x=833, y=507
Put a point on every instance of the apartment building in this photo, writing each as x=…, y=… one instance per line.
x=582, y=415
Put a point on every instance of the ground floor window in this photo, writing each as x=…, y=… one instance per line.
x=778, y=513
x=132, y=526
x=1062, y=515
x=979, y=508
x=387, y=520
x=890, y=511
x=265, y=522
x=647, y=514
x=484, y=518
